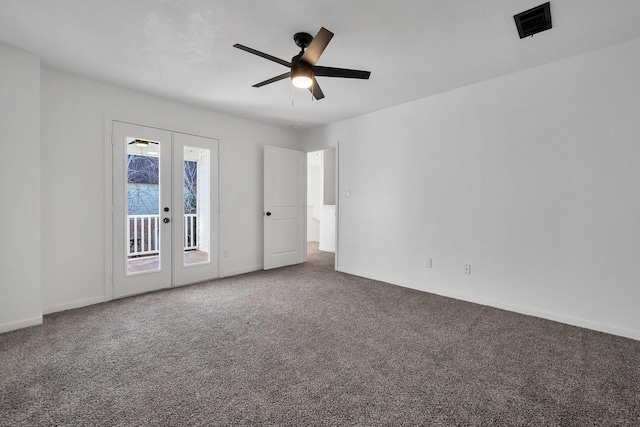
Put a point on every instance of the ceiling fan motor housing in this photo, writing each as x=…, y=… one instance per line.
x=300, y=66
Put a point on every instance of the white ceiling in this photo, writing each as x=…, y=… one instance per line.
x=182, y=49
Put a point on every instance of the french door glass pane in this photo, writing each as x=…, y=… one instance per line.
x=196, y=213
x=143, y=205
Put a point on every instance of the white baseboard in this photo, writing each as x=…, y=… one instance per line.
x=242, y=270
x=19, y=324
x=503, y=305
x=72, y=304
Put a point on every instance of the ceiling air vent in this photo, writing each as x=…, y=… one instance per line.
x=533, y=20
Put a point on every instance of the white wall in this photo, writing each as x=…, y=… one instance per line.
x=315, y=178
x=73, y=184
x=19, y=189
x=329, y=176
x=532, y=178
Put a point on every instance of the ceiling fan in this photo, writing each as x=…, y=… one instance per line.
x=303, y=68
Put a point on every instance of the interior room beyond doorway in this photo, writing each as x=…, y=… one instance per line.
x=321, y=199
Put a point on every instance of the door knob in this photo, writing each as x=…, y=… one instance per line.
x=268, y=214
x=166, y=220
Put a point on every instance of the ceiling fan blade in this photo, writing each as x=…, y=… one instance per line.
x=340, y=72
x=263, y=55
x=315, y=90
x=317, y=46
x=273, y=79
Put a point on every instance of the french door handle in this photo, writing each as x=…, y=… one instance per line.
x=166, y=220
x=268, y=213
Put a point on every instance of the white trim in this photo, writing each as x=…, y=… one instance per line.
x=530, y=311
x=168, y=128
x=189, y=284
x=108, y=209
x=19, y=324
x=219, y=207
x=72, y=304
x=304, y=205
x=337, y=196
x=243, y=270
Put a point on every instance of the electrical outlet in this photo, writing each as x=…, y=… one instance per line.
x=429, y=263
x=467, y=269
x=226, y=253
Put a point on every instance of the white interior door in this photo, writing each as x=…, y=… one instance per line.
x=165, y=209
x=284, y=207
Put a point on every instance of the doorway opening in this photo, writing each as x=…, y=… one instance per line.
x=321, y=201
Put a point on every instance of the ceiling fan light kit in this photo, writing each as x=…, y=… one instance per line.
x=302, y=68
x=301, y=75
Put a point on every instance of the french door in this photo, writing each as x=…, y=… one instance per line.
x=165, y=209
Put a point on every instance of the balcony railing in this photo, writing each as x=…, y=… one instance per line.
x=144, y=237
x=190, y=231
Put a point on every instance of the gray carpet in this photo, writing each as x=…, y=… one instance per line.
x=305, y=345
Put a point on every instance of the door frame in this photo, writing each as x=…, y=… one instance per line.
x=108, y=191
x=337, y=190
x=337, y=193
